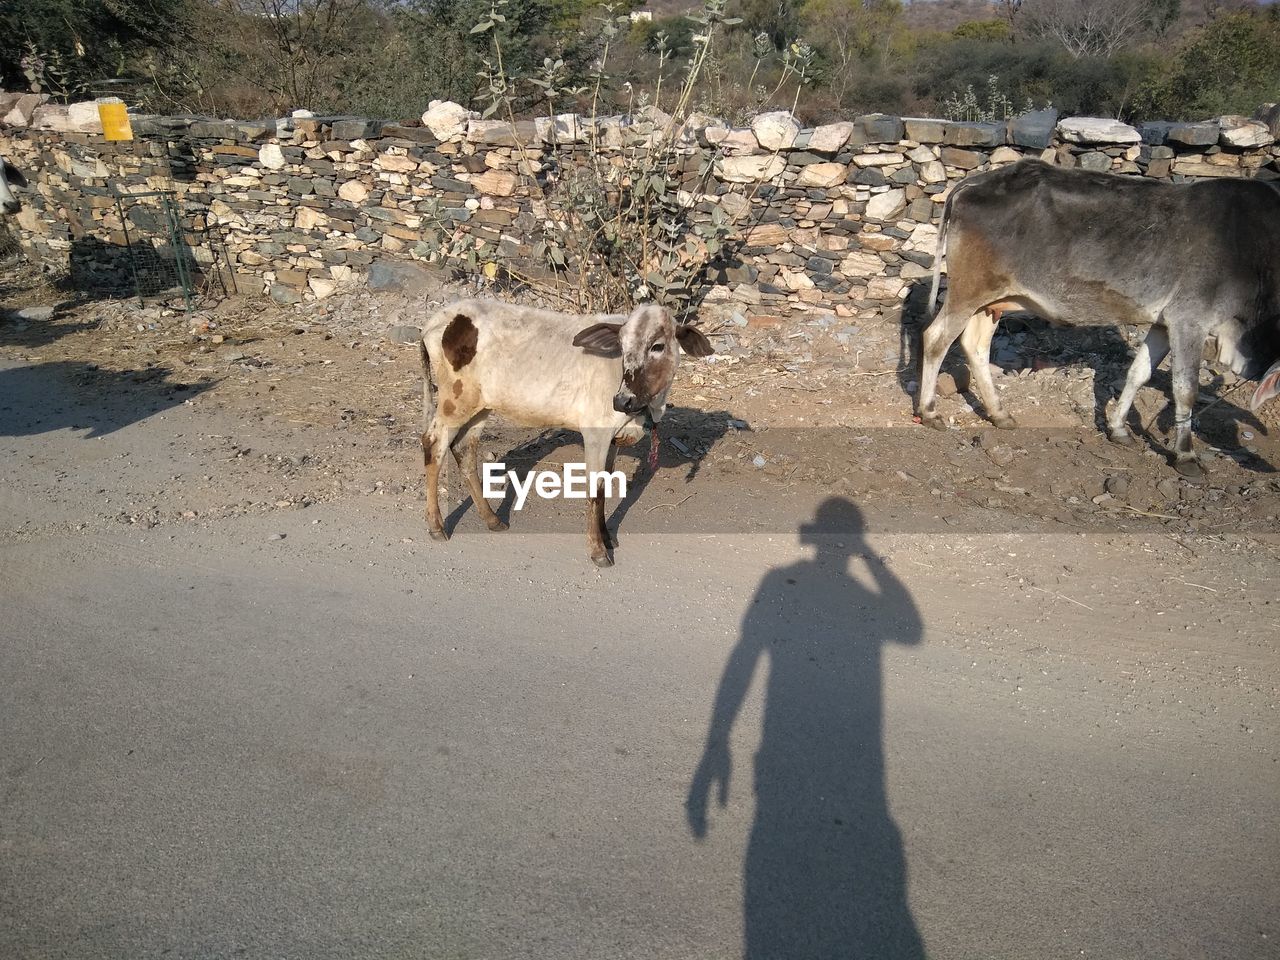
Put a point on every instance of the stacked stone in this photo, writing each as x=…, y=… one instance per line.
x=848, y=218
x=840, y=218
x=1226, y=147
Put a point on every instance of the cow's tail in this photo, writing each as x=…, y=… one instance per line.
x=940, y=253
x=428, y=386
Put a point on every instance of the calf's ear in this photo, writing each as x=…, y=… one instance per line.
x=692, y=341
x=600, y=339
x=1268, y=388
x=14, y=175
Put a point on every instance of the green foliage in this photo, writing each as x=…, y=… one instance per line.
x=1230, y=66
x=63, y=46
x=860, y=44
x=389, y=58
x=52, y=73
x=1036, y=72
x=995, y=106
x=618, y=227
x=776, y=19
x=986, y=31
x=673, y=33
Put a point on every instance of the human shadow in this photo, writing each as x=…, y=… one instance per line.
x=687, y=438
x=825, y=874
x=44, y=397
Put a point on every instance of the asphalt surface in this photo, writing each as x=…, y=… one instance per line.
x=315, y=734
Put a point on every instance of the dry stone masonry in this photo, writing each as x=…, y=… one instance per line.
x=843, y=219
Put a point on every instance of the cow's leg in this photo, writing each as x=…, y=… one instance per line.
x=976, y=343
x=469, y=464
x=1185, y=371
x=434, y=444
x=610, y=457
x=937, y=340
x=1153, y=350
x=596, y=448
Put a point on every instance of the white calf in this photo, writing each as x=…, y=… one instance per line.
x=605, y=376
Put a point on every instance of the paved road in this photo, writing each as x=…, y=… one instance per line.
x=340, y=744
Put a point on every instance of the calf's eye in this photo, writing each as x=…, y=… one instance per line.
x=658, y=347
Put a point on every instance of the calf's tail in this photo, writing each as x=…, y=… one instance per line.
x=428, y=387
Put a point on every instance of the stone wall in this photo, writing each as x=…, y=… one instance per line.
x=845, y=220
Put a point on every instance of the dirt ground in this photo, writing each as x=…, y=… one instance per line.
x=780, y=411
x=217, y=562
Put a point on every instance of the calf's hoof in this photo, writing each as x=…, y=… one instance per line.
x=1123, y=437
x=1004, y=422
x=1191, y=469
x=932, y=420
x=602, y=560
x=497, y=526
x=438, y=535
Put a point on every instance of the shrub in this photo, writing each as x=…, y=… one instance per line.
x=619, y=227
x=1035, y=72
x=1229, y=66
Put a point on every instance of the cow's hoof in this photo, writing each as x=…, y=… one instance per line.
x=497, y=526
x=1124, y=439
x=1004, y=422
x=1191, y=469
x=438, y=535
x=604, y=560
x=932, y=420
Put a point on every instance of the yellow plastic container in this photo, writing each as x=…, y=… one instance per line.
x=115, y=120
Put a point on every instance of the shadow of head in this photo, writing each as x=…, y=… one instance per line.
x=66, y=395
x=834, y=517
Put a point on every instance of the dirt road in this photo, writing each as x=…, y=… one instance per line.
x=971, y=695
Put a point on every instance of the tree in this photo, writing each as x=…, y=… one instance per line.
x=990, y=31
x=1008, y=11
x=70, y=44
x=776, y=18
x=1231, y=65
x=854, y=36
x=1097, y=28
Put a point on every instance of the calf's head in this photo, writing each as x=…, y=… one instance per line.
x=649, y=342
x=9, y=175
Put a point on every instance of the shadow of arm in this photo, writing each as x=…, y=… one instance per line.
x=896, y=607
x=715, y=768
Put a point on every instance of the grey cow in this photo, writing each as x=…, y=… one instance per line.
x=1190, y=261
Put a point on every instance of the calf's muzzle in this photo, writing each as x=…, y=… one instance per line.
x=626, y=402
